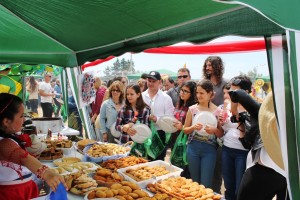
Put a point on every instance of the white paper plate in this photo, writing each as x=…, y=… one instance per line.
x=143, y=132
x=206, y=119
x=166, y=124
x=114, y=132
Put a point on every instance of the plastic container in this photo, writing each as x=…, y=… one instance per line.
x=89, y=158
x=174, y=172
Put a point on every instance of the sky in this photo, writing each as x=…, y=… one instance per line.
x=234, y=62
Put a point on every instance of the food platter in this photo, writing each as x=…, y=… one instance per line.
x=143, y=133
x=66, y=161
x=64, y=170
x=100, y=152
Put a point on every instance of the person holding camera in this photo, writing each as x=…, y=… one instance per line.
x=234, y=154
x=262, y=172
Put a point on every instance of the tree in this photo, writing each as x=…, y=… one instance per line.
x=106, y=71
x=120, y=68
x=252, y=74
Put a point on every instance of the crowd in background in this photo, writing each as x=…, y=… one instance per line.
x=214, y=153
x=46, y=93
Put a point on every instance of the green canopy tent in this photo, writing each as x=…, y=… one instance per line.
x=68, y=33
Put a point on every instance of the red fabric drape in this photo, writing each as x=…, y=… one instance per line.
x=209, y=48
x=96, y=62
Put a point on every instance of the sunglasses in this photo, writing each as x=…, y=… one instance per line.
x=185, y=91
x=183, y=76
x=236, y=81
x=115, y=90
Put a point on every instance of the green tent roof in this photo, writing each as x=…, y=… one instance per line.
x=69, y=33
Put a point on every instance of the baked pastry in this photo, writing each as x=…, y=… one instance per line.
x=82, y=143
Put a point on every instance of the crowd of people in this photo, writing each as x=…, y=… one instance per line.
x=214, y=153
x=47, y=93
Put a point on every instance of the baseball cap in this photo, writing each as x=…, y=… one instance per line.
x=154, y=75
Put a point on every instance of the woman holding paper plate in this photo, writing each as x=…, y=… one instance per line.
x=109, y=111
x=134, y=112
x=187, y=98
x=202, y=126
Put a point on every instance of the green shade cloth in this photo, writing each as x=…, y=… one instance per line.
x=68, y=33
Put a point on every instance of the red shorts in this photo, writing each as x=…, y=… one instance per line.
x=22, y=191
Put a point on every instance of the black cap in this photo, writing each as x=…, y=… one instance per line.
x=154, y=75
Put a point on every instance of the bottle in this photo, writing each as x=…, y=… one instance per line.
x=59, y=136
x=49, y=135
x=225, y=111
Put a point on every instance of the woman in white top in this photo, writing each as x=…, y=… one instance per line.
x=234, y=154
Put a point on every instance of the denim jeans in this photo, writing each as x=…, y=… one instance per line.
x=202, y=159
x=233, y=168
x=33, y=105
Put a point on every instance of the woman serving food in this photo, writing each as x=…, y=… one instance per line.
x=16, y=164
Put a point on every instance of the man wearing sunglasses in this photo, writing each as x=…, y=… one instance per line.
x=183, y=75
x=46, y=92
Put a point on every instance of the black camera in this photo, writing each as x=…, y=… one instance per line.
x=242, y=117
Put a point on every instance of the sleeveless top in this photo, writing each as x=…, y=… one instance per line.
x=203, y=137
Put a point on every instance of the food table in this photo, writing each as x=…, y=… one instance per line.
x=168, y=175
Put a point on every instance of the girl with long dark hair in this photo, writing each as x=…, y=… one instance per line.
x=135, y=109
x=16, y=164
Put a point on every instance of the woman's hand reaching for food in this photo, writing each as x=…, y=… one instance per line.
x=53, y=179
